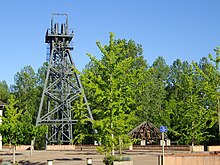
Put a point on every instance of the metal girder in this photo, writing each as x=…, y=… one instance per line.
x=62, y=86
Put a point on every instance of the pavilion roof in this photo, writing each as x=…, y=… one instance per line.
x=146, y=131
x=2, y=104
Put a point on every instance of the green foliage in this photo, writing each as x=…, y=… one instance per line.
x=188, y=106
x=111, y=84
x=153, y=94
x=124, y=91
x=4, y=91
x=81, y=115
x=26, y=92
x=14, y=129
x=39, y=134
x=11, y=127
x=6, y=163
x=108, y=160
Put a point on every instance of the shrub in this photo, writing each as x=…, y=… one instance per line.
x=108, y=160
x=6, y=163
x=125, y=158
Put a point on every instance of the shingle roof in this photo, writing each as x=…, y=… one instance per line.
x=2, y=103
x=147, y=131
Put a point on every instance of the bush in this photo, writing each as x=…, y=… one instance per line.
x=125, y=158
x=6, y=163
x=108, y=160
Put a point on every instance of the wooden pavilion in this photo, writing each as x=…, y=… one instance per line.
x=2, y=104
x=148, y=132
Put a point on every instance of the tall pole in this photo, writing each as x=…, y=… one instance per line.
x=163, y=147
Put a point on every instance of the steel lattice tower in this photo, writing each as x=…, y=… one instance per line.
x=62, y=86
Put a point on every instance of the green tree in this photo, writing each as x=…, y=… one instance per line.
x=190, y=117
x=81, y=129
x=111, y=84
x=155, y=90
x=214, y=81
x=14, y=130
x=11, y=127
x=41, y=75
x=4, y=91
x=27, y=91
x=27, y=94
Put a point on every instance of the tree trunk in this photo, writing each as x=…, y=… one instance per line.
x=32, y=147
x=120, y=145
x=13, y=154
x=10, y=147
x=81, y=148
x=218, y=120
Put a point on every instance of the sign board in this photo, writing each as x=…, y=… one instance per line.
x=163, y=129
x=162, y=142
x=168, y=142
x=143, y=142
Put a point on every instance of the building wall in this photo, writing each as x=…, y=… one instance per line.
x=202, y=159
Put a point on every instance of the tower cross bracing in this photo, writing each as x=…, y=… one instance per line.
x=62, y=86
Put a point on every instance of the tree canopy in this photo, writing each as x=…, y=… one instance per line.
x=123, y=90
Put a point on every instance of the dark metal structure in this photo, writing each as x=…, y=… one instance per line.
x=2, y=104
x=147, y=131
x=62, y=85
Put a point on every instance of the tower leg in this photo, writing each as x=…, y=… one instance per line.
x=61, y=89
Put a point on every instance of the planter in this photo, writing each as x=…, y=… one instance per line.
x=113, y=160
x=123, y=163
x=197, y=148
x=213, y=148
x=130, y=147
x=60, y=147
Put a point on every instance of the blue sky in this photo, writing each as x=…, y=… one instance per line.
x=184, y=29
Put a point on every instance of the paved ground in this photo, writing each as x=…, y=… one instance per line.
x=75, y=157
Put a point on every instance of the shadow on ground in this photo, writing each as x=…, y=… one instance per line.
x=68, y=159
x=83, y=153
x=10, y=154
x=30, y=163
